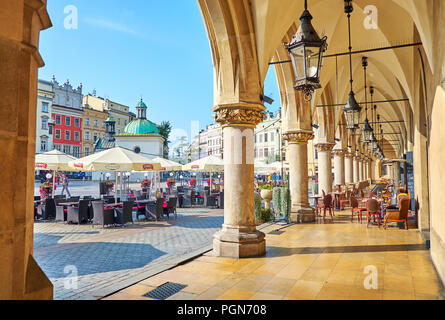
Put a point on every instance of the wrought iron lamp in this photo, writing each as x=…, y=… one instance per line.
x=306, y=53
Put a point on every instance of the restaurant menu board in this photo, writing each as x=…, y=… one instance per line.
x=410, y=177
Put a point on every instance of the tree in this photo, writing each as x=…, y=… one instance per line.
x=165, y=129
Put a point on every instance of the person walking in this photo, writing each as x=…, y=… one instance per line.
x=65, y=183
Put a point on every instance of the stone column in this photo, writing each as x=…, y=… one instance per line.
x=325, y=167
x=360, y=169
x=355, y=164
x=349, y=172
x=298, y=172
x=396, y=172
x=239, y=237
x=20, y=25
x=339, y=167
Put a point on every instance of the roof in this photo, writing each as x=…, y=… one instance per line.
x=140, y=127
x=103, y=144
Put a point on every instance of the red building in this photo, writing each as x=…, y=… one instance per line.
x=67, y=130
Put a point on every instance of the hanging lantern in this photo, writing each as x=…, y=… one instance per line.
x=306, y=53
x=367, y=132
x=352, y=112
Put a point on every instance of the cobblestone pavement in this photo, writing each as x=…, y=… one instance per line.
x=107, y=260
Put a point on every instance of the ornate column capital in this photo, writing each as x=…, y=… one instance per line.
x=239, y=114
x=298, y=136
x=325, y=146
x=339, y=152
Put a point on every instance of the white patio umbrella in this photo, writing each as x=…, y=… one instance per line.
x=166, y=165
x=116, y=159
x=208, y=164
x=54, y=160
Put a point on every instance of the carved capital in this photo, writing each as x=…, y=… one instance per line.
x=339, y=152
x=239, y=114
x=324, y=146
x=299, y=136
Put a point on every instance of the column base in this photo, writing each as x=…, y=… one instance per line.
x=302, y=215
x=234, y=242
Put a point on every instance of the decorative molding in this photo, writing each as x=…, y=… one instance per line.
x=241, y=114
x=324, y=146
x=339, y=152
x=298, y=136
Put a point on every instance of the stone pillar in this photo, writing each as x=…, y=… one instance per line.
x=325, y=167
x=349, y=172
x=239, y=237
x=396, y=172
x=298, y=172
x=356, y=177
x=360, y=169
x=339, y=167
x=20, y=25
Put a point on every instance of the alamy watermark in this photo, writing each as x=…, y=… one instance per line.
x=372, y=19
x=71, y=280
x=371, y=280
x=71, y=21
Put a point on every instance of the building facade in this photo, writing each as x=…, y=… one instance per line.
x=93, y=128
x=44, y=134
x=67, y=114
x=268, y=138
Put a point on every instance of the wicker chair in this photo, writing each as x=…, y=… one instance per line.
x=171, y=207
x=400, y=215
x=102, y=216
x=155, y=210
x=356, y=209
x=125, y=214
x=373, y=211
x=209, y=200
x=78, y=214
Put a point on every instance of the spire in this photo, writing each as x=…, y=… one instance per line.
x=142, y=110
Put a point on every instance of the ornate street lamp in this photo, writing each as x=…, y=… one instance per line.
x=367, y=130
x=306, y=53
x=373, y=143
x=352, y=109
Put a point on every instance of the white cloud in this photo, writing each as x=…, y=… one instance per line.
x=115, y=26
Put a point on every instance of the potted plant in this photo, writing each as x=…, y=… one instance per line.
x=208, y=181
x=109, y=185
x=192, y=182
x=276, y=200
x=257, y=206
x=170, y=182
x=45, y=189
x=266, y=194
x=145, y=184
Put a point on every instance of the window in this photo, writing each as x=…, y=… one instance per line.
x=103, y=124
x=316, y=154
x=58, y=147
x=76, y=136
x=43, y=145
x=272, y=137
x=67, y=135
x=119, y=121
x=266, y=152
x=96, y=123
x=58, y=121
x=58, y=135
x=45, y=124
x=76, y=152
x=118, y=131
x=260, y=155
x=44, y=106
x=67, y=149
x=77, y=122
x=125, y=122
x=95, y=136
x=272, y=151
x=261, y=138
x=265, y=137
x=87, y=151
x=87, y=121
x=255, y=138
x=87, y=135
x=68, y=121
x=256, y=153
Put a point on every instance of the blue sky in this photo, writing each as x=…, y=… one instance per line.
x=128, y=49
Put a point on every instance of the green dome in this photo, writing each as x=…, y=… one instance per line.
x=141, y=127
x=141, y=104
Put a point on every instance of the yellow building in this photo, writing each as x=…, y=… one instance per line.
x=93, y=128
x=121, y=113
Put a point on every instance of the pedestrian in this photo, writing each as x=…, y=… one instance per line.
x=65, y=183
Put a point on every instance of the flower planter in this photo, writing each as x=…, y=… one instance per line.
x=267, y=197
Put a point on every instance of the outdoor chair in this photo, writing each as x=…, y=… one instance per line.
x=78, y=214
x=171, y=207
x=155, y=210
x=73, y=199
x=209, y=200
x=125, y=214
x=221, y=200
x=346, y=201
x=102, y=216
x=373, y=211
x=48, y=210
x=327, y=204
x=185, y=199
x=87, y=197
x=61, y=213
x=400, y=215
x=356, y=209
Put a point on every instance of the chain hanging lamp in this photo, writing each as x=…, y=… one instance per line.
x=367, y=130
x=351, y=109
x=373, y=143
x=306, y=52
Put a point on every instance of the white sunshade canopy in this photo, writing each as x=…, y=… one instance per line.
x=54, y=160
x=207, y=164
x=168, y=165
x=115, y=159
